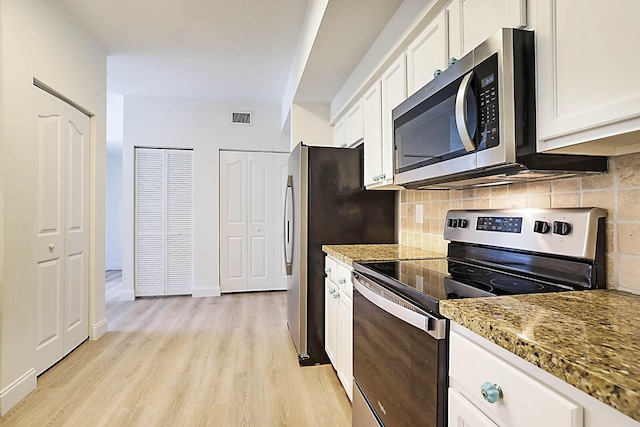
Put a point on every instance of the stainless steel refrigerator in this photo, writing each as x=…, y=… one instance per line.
x=326, y=204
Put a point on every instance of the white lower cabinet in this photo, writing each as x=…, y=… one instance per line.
x=338, y=321
x=490, y=386
x=462, y=413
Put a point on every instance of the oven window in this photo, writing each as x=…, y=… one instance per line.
x=400, y=369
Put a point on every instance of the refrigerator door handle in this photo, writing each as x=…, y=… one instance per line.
x=288, y=226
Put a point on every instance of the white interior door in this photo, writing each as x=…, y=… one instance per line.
x=76, y=295
x=150, y=213
x=61, y=242
x=179, y=222
x=164, y=222
x=260, y=227
x=252, y=189
x=233, y=221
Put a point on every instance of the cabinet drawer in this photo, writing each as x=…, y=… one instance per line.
x=331, y=268
x=524, y=401
x=344, y=280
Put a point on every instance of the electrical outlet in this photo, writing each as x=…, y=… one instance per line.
x=419, y=213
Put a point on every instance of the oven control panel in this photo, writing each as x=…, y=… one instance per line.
x=503, y=224
x=560, y=231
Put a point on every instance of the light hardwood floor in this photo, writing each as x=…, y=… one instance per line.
x=183, y=361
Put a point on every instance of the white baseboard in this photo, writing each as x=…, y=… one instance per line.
x=99, y=329
x=17, y=390
x=127, y=295
x=205, y=291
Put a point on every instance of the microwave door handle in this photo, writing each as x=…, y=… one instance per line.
x=461, y=113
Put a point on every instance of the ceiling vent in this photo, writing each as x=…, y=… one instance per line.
x=239, y=118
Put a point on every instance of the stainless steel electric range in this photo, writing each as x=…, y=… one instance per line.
x=399, y=337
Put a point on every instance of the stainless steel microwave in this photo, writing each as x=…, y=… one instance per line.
x=475, y=123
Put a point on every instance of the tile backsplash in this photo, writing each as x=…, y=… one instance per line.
x=618, y=192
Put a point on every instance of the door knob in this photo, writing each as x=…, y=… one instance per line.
x=51, y=247
x=258, y=229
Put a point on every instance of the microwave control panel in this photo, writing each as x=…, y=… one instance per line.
x=487, y=90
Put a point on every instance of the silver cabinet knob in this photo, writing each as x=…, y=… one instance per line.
x=51, y=247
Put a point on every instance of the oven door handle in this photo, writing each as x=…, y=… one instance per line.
x=398, y=307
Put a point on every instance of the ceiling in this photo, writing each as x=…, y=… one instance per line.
x=228, y=50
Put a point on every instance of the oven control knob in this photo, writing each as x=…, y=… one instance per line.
x=452, y=223
x=561, y=228
x=541, y=227
x=462, y=223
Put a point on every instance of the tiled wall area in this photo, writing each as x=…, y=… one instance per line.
x=618, y=192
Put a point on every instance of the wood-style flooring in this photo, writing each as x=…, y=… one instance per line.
x=183, y=361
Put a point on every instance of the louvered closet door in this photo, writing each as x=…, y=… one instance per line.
x=150, y=222
x=164, y=222
x=179, y=222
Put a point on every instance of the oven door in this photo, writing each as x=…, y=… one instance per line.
x=399, y=359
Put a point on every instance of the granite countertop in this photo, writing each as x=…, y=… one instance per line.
x=589, y=339
x=382, y=252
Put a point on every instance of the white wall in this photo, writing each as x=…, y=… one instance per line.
x=113, y=220
x=41, y=40
x=205, y=127
x=310, y=123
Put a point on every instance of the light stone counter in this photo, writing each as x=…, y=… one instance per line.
x=383, y=252
x=589, y=339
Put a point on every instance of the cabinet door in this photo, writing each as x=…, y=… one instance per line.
x=354, y=129
x=587, y=74
x=394, y=91
x=339, y=135
x=472, y=21
x=372, y=135
x=462, y=413
x=331, y=314
x=345, y=373
x=428, y=52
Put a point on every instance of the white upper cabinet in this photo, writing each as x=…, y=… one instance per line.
x=354, y=127
x=472, y=21
x=427, y=53
x=588, y=91
x=372, y=107
x=339, y=135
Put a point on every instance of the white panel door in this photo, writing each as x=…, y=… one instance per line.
x=150, y=222
x=260, y=226
x=280, y=185
x=233, y=221
x=49, y=245
x=252, y=193
x=179, y=253
x=76, y=298
x=61, y=234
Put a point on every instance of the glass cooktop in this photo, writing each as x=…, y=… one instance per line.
x=427, y=281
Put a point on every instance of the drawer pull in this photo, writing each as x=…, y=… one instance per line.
x=342, y=280
x=327, y=271
x=491, y=392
